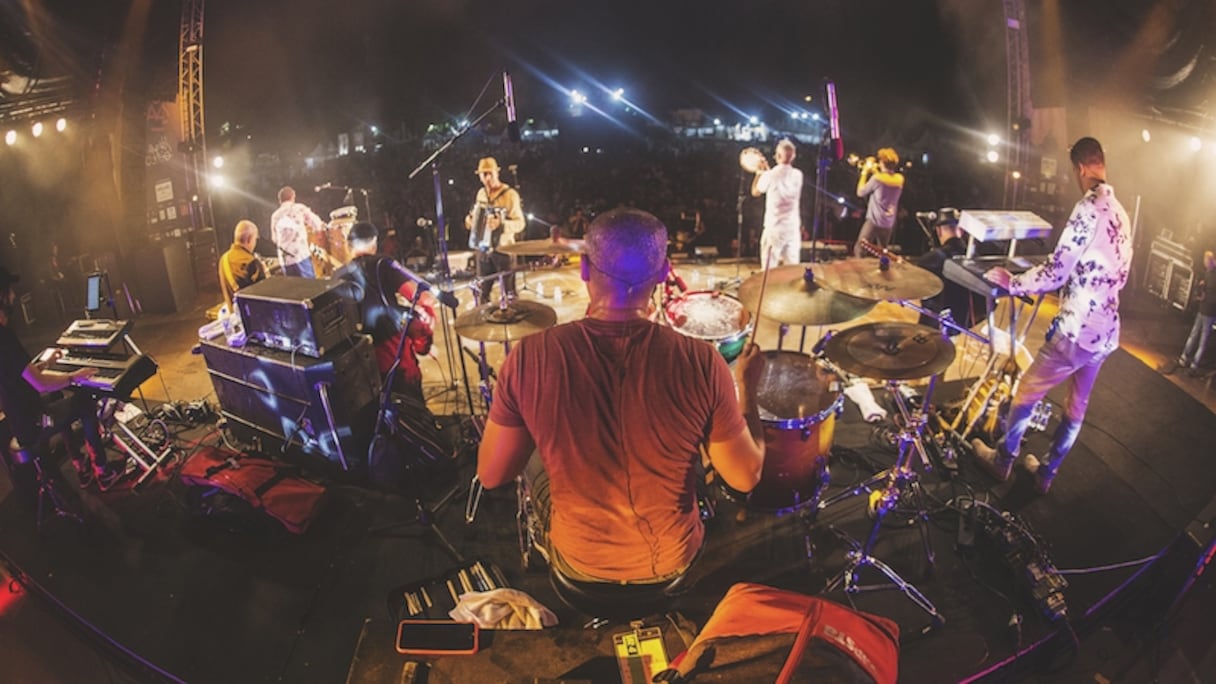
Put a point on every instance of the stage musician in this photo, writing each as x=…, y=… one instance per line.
x=882, y=183
x=955, y=297
x=377, y=284
x=239, y=266
x=25, y=383
x=504, y=220
x=290, y=226
x=615, y=407
x=1205, y=318
x=1091, y=261
x=782, y=190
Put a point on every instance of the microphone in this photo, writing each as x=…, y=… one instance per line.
x=508, y=98
x=324, y=186
x=834, y=121
x=445, y=297
x=927, y=215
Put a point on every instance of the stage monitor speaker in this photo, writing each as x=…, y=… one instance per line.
x=166, y=280
x=277, y=399
x=308, y=316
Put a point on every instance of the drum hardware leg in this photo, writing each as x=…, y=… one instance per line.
x=900, y=481
x=782, y=330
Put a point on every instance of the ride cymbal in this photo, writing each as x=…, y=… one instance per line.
x=495, y=323
x=869, y=279
x=792, y=298
x=890, y=351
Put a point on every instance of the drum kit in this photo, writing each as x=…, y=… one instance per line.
x=800, y=395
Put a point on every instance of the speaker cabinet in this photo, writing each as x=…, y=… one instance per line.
x=275, y=399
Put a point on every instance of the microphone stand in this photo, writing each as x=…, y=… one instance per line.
x=445, y=270
x=743, y=187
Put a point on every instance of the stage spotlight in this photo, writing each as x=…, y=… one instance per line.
x=217, y=181
x=577, y=98
x=37, y=129
x=1196, y=144
x=808, y=98
x=218, y=162
x=10, y=138
x=753, y=120
x=1017, y=175
x=815, y=116
x=840, y=200
x=717, y=122
x=1145, y=135
x=992, y=156
x=618, y=94
x=375, y=130
x=994, y=139
x=61, y=125
x=793, y=115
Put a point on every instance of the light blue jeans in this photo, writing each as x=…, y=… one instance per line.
x=1058, y=360
x=1197, y=341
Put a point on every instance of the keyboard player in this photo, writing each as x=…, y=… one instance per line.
x=1090, y=265
x=30, y=391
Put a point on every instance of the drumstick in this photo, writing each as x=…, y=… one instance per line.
x=760, y=300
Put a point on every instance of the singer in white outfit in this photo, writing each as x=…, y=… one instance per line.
x=781, y=241
x=290, y=226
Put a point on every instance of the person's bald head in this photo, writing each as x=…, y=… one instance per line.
x=626, y=252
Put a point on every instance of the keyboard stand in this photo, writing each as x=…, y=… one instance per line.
x=1001, y=375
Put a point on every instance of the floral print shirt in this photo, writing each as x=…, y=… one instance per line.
x=1092, y=261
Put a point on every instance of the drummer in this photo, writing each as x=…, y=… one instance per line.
x=504, y=221
x=781, y=241
x=604, y=417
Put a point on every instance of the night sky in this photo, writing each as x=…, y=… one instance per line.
x=301, y=70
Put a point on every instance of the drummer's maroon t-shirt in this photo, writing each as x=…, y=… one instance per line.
x=617, y=411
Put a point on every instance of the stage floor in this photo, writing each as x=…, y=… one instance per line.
x=206, y=604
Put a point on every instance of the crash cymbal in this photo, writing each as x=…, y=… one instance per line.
x=791, y=298
x=890, y=351
x=542, y=247
x=868, y=279
x=494, y=323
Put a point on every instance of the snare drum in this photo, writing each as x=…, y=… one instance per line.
x=798, y=400
x=715, y=317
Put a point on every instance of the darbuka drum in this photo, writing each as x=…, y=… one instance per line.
x=715, y=317
x=798, y=401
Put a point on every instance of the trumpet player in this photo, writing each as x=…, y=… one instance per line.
x=781, y=241
x=503, y=216
x=882, y=182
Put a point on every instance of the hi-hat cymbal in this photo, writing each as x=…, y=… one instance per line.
x=494, y=323
x=890, y=351
x=791, y=298
x=866, y=278
x=543, y=247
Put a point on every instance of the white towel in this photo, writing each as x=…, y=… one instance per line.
x=860, y=393
x=502, y=609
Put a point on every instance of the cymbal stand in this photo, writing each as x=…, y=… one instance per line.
x=898, y=482
x=487, y=395
x=441, y=225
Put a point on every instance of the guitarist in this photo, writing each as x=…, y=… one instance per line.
x=376, y=286
x=504, y=220
x=290, y=226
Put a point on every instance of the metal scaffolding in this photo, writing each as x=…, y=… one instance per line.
x=1018, y=106
x=190, y=109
